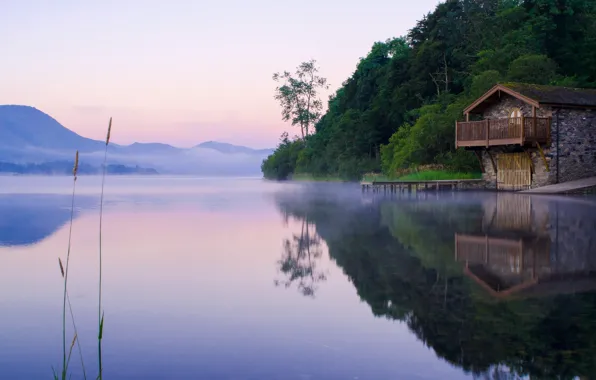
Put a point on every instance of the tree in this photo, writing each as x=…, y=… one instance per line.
x=299, y=260
x=298, y=95
x=407, y=93
x=281, y=165
x=534, y=68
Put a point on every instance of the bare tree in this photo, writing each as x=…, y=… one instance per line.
x=298, y=95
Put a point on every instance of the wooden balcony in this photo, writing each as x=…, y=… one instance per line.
x=493, y=132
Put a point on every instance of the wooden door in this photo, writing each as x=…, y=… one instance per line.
x=514, y=171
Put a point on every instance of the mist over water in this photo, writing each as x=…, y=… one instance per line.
x=240, y=278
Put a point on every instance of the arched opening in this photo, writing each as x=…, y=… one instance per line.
x=515, y=122
x=515, y=113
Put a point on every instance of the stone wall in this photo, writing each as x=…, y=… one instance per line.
x=489, y=176
x=577, y=145
x=506, y=103
x=540, y=176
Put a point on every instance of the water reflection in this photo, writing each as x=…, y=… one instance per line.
x=27, y=219
x=298, y=263
x=501, y=286
x=517, y=252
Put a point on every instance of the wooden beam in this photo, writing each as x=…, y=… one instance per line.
x=543, y=156
x=504, y=89
x=533, y=170
x=479, y=156
x=533, y=122
x=523, y=130
x=482, y=143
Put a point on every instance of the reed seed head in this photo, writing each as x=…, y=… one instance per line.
x=76, y=165
x=61, y=267
x=109, y=130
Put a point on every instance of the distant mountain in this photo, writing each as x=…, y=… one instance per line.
x=28, y=136
x=24, y=126
x=231, y=149
x=153, y=148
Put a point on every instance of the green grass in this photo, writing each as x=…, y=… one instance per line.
x=310, y=177
x=426, y=175
x=371, y=177
x=437, y=175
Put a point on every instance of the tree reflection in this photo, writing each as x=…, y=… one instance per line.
x=401, y=257
x=299, y=259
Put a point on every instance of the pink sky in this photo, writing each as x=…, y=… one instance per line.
x=182, y=72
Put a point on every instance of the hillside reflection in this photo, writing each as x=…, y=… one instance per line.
x=27, y=219
x=500, y=285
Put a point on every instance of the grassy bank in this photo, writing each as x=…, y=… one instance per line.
x=436, y=175
x=426, y=175
x=309, y=177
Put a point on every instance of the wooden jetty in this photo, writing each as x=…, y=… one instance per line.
x=409, y=186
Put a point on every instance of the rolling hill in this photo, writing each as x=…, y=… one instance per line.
x=28, y=135
x=232, y=149
x=24, y=126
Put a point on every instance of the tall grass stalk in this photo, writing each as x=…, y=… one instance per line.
x=64, y=272
x=76, y=332
x=100, y=312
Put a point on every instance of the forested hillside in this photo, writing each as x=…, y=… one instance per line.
x=399, y=108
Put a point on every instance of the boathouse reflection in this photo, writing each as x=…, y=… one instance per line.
x=517, y=252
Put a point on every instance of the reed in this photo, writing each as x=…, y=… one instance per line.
x=66, y=297
x=64, y=268
x=100, y=314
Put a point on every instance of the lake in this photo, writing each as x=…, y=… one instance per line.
x=248, y=279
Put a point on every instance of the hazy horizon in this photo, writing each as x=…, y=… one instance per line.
x=181, y=72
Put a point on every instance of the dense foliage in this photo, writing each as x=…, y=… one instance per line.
x=399, y=108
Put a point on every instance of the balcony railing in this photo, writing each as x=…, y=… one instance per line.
x=512, y=131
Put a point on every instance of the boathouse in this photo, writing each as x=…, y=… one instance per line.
x=528, y=136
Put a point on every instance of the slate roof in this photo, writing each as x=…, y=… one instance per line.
x=555, y=94
x=537, y=95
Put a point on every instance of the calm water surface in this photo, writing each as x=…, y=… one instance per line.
x=244, y=279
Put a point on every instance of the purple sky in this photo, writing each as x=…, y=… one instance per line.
x=182, y=71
